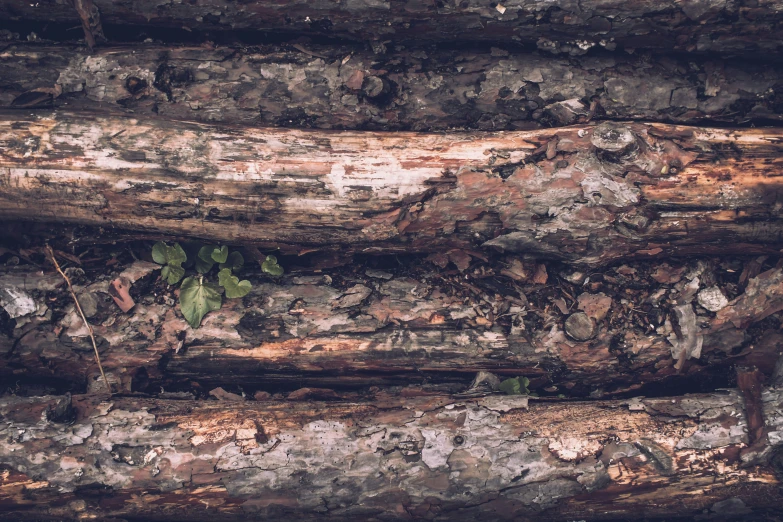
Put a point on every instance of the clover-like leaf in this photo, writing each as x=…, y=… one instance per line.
x=219, y=255
x=159, y=253
x=510, y=386
x=172, y=273
x=204, y=261
x=197, y=298
x=234, y=261
x=271, y=267
x=168, y=255
x=515, y=386
x=234, y=287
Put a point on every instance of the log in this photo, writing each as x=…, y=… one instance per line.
x=346, y=88
x=347, y=330
x=563, y=26
x=398, y=458
x=583, y=194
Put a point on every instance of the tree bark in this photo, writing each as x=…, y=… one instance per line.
x=346, y=88
x=563, y=26
x=349, y=330
x=581, y=194
x=428, y=457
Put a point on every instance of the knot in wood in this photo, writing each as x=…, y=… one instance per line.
x=613, y=142
x=579, y=327
x=373, y=86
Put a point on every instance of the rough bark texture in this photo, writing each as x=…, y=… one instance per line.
x=582, y=194
x=410, y=90
x=559, y=26
x=349, y=329
x=424, y=458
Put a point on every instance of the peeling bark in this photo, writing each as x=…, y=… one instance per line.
x=581, y=194
x=561, y=26
x=312, y=330
x=410, y=90
x=430, y=457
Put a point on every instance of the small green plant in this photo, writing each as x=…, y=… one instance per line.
x=171, y=257
x=197, y=296
x=271, y=267
x=515, y=386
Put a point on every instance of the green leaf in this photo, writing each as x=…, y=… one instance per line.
x=271, y=267
x=234, y=287
x=205, y=253
x=168, y=255
x=219, y=255
x=176, y=256
x=202, y=267
x=159, y=253
x=204, y=261
x=235, y=261
x=510, y=386
x=197, y=298
x=172, y=273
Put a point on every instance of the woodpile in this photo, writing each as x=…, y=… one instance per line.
x=453, y=260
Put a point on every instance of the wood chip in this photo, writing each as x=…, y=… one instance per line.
x=352, y=297
x=666, y=274
x=222, y=395
x=460, y=259
x=596, y=306
x=118, y=290
x=540, y=277
x=313, y=394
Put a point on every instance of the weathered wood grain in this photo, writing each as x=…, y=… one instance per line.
x=350, y=330
x=401, y=458
x=584, y=194
x=353, y=89
x=565, y=26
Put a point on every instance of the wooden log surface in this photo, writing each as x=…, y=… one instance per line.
x=584, y=194
x=401, y=458
x=562, y=26
x=348, y=329
x=344, y=87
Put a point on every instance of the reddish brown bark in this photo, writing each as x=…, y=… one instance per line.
x=349, y=88
x=349, y=330
x=392, y=457
x=588, y=194
x=563, y=26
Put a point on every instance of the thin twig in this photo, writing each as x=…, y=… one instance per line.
x=79, y=308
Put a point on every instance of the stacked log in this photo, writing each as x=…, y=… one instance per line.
x=581, y=199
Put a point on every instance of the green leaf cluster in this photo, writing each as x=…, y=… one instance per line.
x=515, y=386
x=197, y=296
x=171, y=257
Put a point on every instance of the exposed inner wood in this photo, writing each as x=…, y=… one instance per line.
x=351, y=88
x=391, y=458
x=583, y=194
x=562, y=26
x=354, y=329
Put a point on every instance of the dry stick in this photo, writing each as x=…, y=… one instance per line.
x=91, y=21
x=79, y=307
